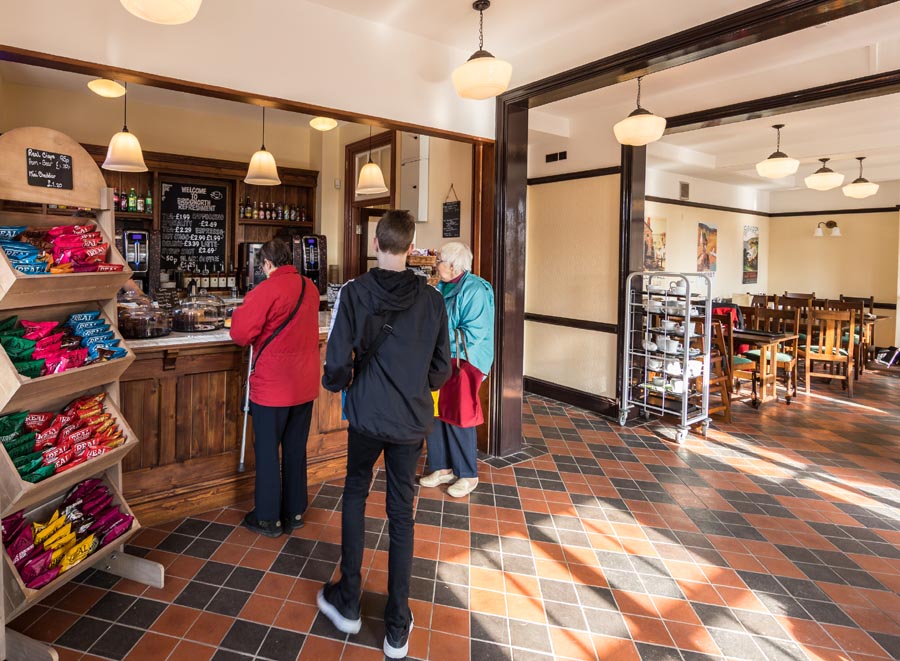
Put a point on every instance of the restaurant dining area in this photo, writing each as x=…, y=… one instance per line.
x=489, y=331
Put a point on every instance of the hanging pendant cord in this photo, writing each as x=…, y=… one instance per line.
x=370, y=144
x=778, y=140
x=639, y=92
x=860, y=168
x=125, y=122
x=481, y=29
x=264, y=129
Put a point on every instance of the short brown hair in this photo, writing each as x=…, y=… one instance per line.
x=395, y=231
x=277, y=252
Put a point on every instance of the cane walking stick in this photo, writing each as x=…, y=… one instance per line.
x=246, y=410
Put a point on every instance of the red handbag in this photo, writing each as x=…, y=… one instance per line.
x=458, y=402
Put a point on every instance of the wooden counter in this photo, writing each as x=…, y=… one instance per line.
x=183, y=398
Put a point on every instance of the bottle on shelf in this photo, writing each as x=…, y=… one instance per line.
x=204, y=278
x=123, y=201
x=115, y=199
x=231, y=278
x=148, y=202
x=302, y=214
x=241, y=209
x=132, y=200
x=268, y=211
x=139, y=205
x=280, y=210
x=255, y=210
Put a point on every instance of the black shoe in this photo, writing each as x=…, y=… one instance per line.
x=267, y=528
x=396, y=645
x=328, y=601
x=291, y=523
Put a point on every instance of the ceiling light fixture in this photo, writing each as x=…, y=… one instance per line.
x=830, y=224
x=124, y=153
x=860, y=187
x=262, y=170
x=824, y=178
x=323, y=123
x=107, y=88
x=779, y=164
x=371, y=179
x=483, y=76
x=641, y=127
x=164, y=12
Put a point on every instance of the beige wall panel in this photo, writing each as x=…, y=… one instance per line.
x=580, y=359
x=448, y=162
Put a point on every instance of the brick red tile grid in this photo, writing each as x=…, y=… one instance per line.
x=774, y=538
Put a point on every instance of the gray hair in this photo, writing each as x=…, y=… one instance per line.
x=457, y=255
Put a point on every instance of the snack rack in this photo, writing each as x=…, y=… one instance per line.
x=667, y=345
x=44, y=297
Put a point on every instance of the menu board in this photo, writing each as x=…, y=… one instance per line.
x=192, y=223
x=48, y=169
x=451, y=219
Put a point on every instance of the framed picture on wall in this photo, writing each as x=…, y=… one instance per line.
x=750, y=274
x=707, y=248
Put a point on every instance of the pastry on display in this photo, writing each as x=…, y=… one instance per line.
x=60, y=249
x=140, y=318
x=200, y=313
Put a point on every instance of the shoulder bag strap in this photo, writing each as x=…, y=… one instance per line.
x=282, y=326
x=386, y=329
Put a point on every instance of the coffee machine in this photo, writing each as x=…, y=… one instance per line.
x=311, y=258
x=250, y=264
x=135, y=248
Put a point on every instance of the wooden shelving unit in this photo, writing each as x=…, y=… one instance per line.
x=278, y=223
x=42, y=297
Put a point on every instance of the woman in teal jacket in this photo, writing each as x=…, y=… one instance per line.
x=469, y=299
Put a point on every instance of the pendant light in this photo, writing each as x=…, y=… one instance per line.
x=323, y=123
x=829, y=224
x=824, y=178
x=859, y=187
x=641, y=127
x=779, y=164
x=124, y=153
x=262, y=171
x=107, y=88
x=483, y=76
x=371, y=179
x=164, y=12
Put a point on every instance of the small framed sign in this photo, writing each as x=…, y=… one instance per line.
x=451, y=219
x=48, y=169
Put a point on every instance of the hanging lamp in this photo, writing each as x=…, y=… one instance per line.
x=371, y=179
x=107, y=88
x=323, y=123
x=483, y=76
x=124, y=153
x=779, y=164
x=262, y=171
x=824, y=178
x=860, y=187
x=641, y=127
x=164, y=12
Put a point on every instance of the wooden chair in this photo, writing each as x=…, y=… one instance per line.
x=865, y=329
x=719, y=373
x=826, y=346
x=764, y=301
x=868, y=302
x=737, y=365
x=856, y=329
x=788, y=294
x=787, y=356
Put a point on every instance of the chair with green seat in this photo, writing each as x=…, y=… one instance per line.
x=858, y=308
x=830, y=346
x=787, y=357
x=736, y=365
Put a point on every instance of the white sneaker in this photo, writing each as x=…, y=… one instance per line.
x=463, y=487
x=437, y=478
x=398, y=649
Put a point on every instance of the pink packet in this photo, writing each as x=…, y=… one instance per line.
x=117, y=530
x=23, y=557
x=83, y=229
x=36, y=330
x=82, y=489
x=97, y=506
x=87, y=268
x=11, y=526
x=21, y=541
x=43, y=579
x=53, y=340
x=36, y=566
x=103, y=519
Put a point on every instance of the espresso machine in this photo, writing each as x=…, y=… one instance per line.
x=135, y=248
x=311, y=258
x=250, y=265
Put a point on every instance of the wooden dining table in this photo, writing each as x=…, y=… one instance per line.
x=767, y=370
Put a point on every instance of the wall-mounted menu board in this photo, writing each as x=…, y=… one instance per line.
x=193, y=220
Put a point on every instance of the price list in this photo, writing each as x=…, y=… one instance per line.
x=192, y=222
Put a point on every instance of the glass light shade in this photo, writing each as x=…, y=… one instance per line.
x=482, y=76
x=124, y=153
x=164, y=12
x=262, y=171
x=860, y=188
x=777, y=166
x=818, y=232
x=371, y=180
x=640, y=128
x=835, y=231
x=824, y=179
x=106, y=88
x=323, y=123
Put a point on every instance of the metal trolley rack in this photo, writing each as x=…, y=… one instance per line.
x=667, y=347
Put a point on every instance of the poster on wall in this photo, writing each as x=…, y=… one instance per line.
x=751, y=255
x=655, y=244
x=707, y=246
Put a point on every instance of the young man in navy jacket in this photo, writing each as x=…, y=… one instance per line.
x=394, y=316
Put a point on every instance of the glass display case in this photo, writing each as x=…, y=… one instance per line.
x=200, y=313
x=140, y=318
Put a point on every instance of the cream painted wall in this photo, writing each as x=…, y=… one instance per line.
x=861, y=262
x=448, y=162
x=571, y=271
x=681, y=244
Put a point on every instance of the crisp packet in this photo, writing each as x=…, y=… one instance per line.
x=36, y=566
x=102, y=354
x=41, y=473
x=11, y=231
x=47, y=531
x=29, y=368
x=79, y=552
x=62, y=268
x=118, y=529
x=62, y=548
x=60, y=534
x=83, y=316
x=50, y=341
x=38, y=329
x=8, y=324
x=18, y=348
x=104, y=267
x=43, y=579
x=96, y=507
x=11, y=525
x=101, y=333
x=12, y=423
x=80, y=326
x=38, y=421
x=82, y=489
x=75, y=461
x=102, y=338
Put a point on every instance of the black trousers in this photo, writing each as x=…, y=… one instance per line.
x=400, y=461
x=280, y=486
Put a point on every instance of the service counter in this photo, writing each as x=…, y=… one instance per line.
x=183, y=397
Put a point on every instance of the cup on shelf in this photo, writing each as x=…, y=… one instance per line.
x=668, y=324
x=649, y=344
x=658, y=381
x=655, y=364
x=678, y=288
x=673, y=367
x=678, y=328
x=677, y=385
x=654, y=306
x=695, y=312
x=670, y=345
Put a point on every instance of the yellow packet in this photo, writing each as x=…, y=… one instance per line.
x=64, y=547
x=37, y=526
x=63, y=532
x=79, y=552
x=49, y=530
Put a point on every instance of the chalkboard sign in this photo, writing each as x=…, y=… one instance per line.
x=192, y=223
x=48, y=169
x=451, y=219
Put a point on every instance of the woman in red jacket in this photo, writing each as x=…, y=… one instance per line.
x=280, y=318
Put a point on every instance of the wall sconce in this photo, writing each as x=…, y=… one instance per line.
x=830, y=224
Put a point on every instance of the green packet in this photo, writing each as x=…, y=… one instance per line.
x=29, y=368
x=12, y=424
x=8, y=324
x=29, y=463
x=13, y=332
x=41, y=473
x=20, y=439
x=20, y=448
x=18, y=348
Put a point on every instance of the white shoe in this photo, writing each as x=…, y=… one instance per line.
x=463, y=487
x=437, y=478
x=398, y=649
x=341, y=623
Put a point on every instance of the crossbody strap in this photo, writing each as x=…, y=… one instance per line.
x=386, y=329
x=283, y=325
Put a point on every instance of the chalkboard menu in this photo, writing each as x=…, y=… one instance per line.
x=192, y=223
x=451, y=219
x=48, y=169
